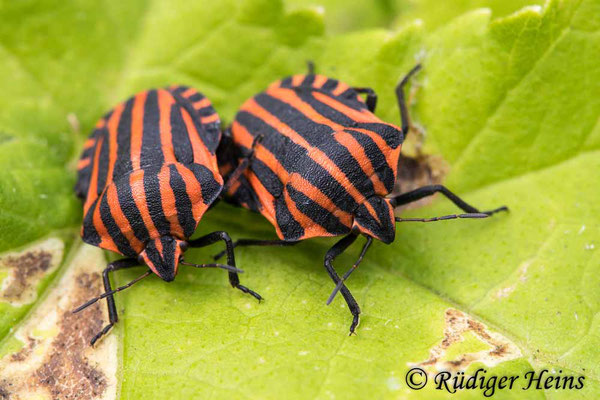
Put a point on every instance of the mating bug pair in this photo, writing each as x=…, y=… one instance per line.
x=307, y=153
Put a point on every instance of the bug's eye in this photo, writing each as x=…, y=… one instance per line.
x=184, y=246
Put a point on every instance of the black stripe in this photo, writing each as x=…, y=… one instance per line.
x=245, y=194
x=206, y=111
x=182, y=202
x=153, y=200
x=315, y=212
x=294, y=158
x=330, y=84
x=89, y=234
x=107, y=116
x=393, y=136
x=195, y=97
x=321, y=137
x=103, y=162
x=130, y=210
x=329, y=112
x=123, y=162
x=178, y=90
x=83, y=182
x=290, y=228
x=308, y=80
x=210, y=187
x=377, y=158
x=311, y=131
x=210, y=134
x=350, y=94
x=151, y=146
x=113, y=229
x=286, y=82
x=284, y=150
x=383, y=230
x=168, y=252
x=267, y=177
x=84, y=175
x=89, y=152
x=163, y=260
x=180, y=136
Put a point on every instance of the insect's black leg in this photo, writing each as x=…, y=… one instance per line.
x=337, y=249
x=110, y=300
x=402, y=102
x=214, y=237
x=354, y=267
x=311, y=67
x=244, y=163
x=256, y=242
x=371, y=97
x=426, y=191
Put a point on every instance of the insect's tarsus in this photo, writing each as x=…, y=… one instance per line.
x=213, y=265
x=111, y=292
x=347, y=274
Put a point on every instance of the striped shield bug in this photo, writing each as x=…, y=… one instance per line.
x=147, y=175
x=309, y=154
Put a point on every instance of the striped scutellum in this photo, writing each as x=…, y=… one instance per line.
x=310, y=155
x=147, y=175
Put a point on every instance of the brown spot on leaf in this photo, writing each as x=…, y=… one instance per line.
x=4, y=390
x=66, y=372
x=415, y=172
x=57, y=362
x=457, y=325
x=499, y=351
x=27, y=268
x=22, y=354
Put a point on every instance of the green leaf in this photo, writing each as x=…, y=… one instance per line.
x=509, y=105
x=435, y=14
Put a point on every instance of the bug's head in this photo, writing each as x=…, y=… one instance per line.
x=375, y=218
x=162, y=256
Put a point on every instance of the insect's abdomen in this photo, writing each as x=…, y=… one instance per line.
x=149, y=169
x=321, y=155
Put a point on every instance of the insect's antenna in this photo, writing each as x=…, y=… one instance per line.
x=443, y=217
x=401, y=100
x=347, y=274
x=106, y=294
x=214, y=265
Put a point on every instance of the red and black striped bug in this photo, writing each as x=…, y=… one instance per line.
x=309, y=154
x=147, y=175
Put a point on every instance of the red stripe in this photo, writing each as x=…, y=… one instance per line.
x=194, y=191
x=89, y=143
x=92, y=193
x=136, y=181
x=113, y=125
x=84, y=162
x=165, y=101
x=106, y=241
x=201, y=154
x=189, y=92
x=211, y=118
x=137, y=129
x=122, y=222
x=201, y=103
x=168, y=201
